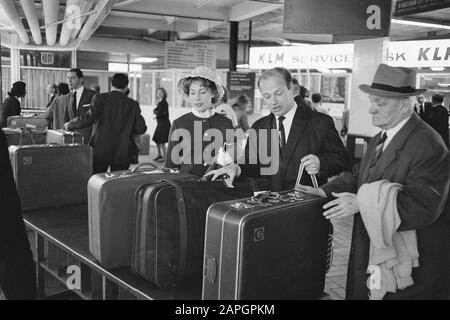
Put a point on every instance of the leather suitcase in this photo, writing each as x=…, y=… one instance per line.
x=64, y=137
x=27, y=122
x=272, y=246
x=22, y=136
x=111, y=211
x=169, y=228
x=51, y=175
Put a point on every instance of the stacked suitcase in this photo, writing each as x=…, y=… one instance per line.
x=24, y=136
x=64, y=137
x=24, y=122
x=51, y=175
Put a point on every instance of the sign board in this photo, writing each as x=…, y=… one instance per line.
x=412, y=54
x=241, y=84
x=367, y=18
x=181, y=55
x=428, y=53
x=408, y=7
x=304, y=57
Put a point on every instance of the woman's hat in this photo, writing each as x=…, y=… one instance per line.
x=393, y=82
x=18, y=88
x=206, y=73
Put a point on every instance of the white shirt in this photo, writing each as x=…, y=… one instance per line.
x=287, y=122
x=79, y=93
x=390, y=133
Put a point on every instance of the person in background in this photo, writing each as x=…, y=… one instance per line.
x=316, y=104
x=298, y=96
x=202, y=91
x=11, y=105
x=240, y=109
x=96, y=88
x=116, y=119
x=17, y=269
x=52, y=93
x=421, y=106
x=436, y=116
x=80, y=99
x=55, y=112
x=161, y=135
x=225, y=109
x=398, y=199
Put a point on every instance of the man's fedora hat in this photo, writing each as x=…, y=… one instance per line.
x=393, y=82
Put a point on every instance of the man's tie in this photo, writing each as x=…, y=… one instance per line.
x=74, y=103
x=282, y=134
x=421, y=109
x=378, y=151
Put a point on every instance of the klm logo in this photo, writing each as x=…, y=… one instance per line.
x=271, y=58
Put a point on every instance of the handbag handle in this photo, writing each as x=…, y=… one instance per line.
x=299, y=177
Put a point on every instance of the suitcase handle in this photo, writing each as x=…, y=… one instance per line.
x=300, y=174
x=143, y=165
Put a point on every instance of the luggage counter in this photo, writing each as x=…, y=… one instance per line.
x=61, y=250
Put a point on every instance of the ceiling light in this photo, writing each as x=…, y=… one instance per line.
x=437, y=68
x=324, y=70
x=338, y=71
x=145, y=60
x=444, y=84
x=421, y=24
x=242, y=66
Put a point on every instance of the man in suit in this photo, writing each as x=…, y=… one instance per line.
x=421, y=106
x=437, y=117
x=55, y=114
x=300, y=94
x=410, y=153
x=306, y=137
x=17, y=271
x=116, y=119
x=79, y=100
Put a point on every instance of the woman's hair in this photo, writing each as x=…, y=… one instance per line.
x=164, y=92
x=205, y=82
x=62, y=88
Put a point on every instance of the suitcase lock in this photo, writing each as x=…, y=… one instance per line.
x=211, y=269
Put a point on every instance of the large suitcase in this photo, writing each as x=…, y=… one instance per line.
x=24, y=136
x=273, y=246
x=170, y=224
x=111, y=211
x=51, y=175
x=38, y=122
x=64, y=137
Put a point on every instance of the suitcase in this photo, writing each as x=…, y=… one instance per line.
x=51, y=175
x=271, y=248
x=30, y=122
x=170, y=224
x=24, y=136
x=64, y=137
x=111, y=211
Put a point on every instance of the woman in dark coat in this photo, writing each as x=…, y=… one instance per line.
x=194, y=136
x=161, y=135
x=11, y=105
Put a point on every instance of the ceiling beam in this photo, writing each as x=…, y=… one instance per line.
x=249, y=9
x=11, y=12
x=147, y=23
x=103, y=9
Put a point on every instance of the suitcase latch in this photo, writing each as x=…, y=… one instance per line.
x=211, y=270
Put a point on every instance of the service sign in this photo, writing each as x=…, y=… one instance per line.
x=304, y=57
x=367, y=18
x=429, y=53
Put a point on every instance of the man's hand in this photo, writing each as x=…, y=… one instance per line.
x=310, y=190
x=344, y=205
x=66, y=126
x=231, y=170
x=312, y=164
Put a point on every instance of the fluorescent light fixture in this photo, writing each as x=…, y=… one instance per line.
x=444, y=84
x=123, y=67
x=324, y=70
x=437, y=68
x=338, y=71
x=145, y=60
x=421, y=24
x=242, y=66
